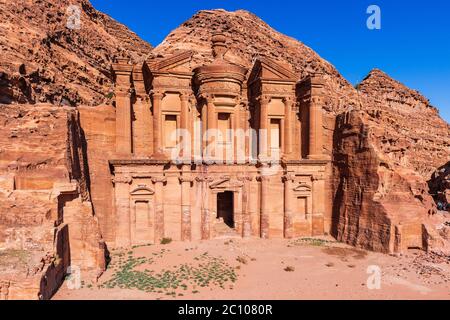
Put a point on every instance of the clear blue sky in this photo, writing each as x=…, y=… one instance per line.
x=413, y=45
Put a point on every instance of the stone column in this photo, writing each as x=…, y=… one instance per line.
x=288, y=126
x=205, y=207
x=318, y=202
x=185, y=125
x=186, y=181
x=264, y=220
x=159, y=207
x=123, y=70
x=263, y=127
x=122, y=207
x=288, y=208
x=246, y=218
x=211, y=125
x=315, y=118
x=157, y=122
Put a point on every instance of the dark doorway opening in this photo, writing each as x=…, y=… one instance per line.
x=225, y=208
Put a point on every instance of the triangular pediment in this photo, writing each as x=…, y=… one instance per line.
x=267, y=69
x=179, y=62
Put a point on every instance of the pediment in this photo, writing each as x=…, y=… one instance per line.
x=303, y=188
x=266, y=68
x=142, y=191
x=179, y=62
x=225, y=183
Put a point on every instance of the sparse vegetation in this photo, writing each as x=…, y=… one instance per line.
x=166, y=240
x=310, y=242
x=289, y=269
x=206, y=272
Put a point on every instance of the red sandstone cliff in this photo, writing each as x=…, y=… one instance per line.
x=43, y=61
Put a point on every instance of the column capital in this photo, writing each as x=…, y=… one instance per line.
x=288, y=100
x=122, y=179
x=288, y=177
x=318, y=177
x=184, y=179
x=264, y=99
x=159, y=179
x=263, y=178
x=157, y=94
x=185, y=96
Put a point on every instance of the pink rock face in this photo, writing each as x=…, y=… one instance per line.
x=45, y=61
x=46, y=217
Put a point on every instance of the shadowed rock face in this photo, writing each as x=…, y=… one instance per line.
x=43, y=61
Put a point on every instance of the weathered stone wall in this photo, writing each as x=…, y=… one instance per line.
x=46, y=220
x=375, y=205
x=99, y=127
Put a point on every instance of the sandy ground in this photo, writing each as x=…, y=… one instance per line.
x=265, y=269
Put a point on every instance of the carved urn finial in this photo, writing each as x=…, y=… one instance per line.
x=219, y=45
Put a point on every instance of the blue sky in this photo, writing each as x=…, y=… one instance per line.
x=413, y=45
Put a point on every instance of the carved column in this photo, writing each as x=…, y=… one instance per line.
x=318, y=204
x=289, y=126
x=288, y=208
x=246, y=199
x=157, y=97
x=263, y=126
x=264, y=220
x=122, y=206
x=123, y=70
x=315, y=118
x=211, y=125
x=205, y=207
x=159, y=207
x=186, y=181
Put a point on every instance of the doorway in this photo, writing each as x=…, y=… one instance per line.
x=225, y=208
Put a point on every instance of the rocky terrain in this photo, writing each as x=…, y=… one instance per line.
x=44, y=61
x=57, y=131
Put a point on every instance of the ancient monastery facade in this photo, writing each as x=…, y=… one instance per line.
x=270, y=184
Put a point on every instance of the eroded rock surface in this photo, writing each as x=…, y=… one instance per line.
x=46, y=217
x=45, y=61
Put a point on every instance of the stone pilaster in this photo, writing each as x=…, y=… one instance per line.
x=205, y=207
x=318, y=202
x=263, y=127
x=289, y=126
x=184, y=123
x=122, y=205
x=211, y=125
x=316, y=102
x=122, y=71
x=186, y=181
x=264, y=220
x=157, y=97
x=159, y=207
x=288, y=208
x=246, y=200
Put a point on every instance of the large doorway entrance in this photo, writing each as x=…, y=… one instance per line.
x=225, y=208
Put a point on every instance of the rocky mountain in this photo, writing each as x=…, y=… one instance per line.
x=249, y=37
x=409, y=131
x=60, y=52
